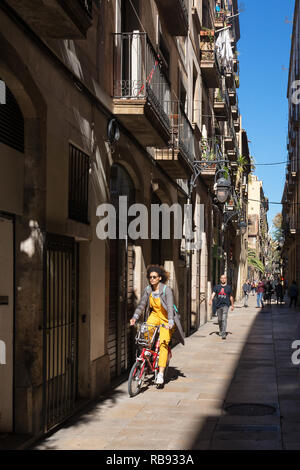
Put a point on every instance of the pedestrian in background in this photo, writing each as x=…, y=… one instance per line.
x=223, y=298
x=269, y=292
x=246, y=290
x=293, y=293
x=261, y=289
x=279, y=292
x=253, y=288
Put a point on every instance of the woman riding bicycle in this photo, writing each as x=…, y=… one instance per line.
x=159, y=303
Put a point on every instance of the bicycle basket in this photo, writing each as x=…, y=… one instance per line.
x=146, y=335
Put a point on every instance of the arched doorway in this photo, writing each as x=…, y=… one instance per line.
x=120, y=344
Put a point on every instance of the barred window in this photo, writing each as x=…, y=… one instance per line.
x=79, y=166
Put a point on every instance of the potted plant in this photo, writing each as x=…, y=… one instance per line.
x=207, y=35
x=207, y=32
x=241, y=162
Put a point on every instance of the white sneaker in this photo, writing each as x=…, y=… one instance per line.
x=159, y=379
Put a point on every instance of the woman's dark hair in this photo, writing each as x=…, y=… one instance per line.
x=154, y=268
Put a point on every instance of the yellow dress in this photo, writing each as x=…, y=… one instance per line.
x=159, y=316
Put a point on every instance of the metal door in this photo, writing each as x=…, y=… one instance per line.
x=60, y=328
x=6, y=324
x=120, y=341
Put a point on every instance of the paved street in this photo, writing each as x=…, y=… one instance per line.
x=252, y=366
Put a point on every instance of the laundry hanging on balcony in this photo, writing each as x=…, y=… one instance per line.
x=224, y=50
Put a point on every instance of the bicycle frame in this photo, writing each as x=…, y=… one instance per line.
x=145, y=358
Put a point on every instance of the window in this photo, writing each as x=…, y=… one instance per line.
x=164, y=51
x=183, y=97
x=79, y=167
x=11, y=121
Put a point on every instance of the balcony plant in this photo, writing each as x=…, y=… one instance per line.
x=237, y=81
x=208, y=34
x=218, y=96
x=241, y=162
x=255, y=262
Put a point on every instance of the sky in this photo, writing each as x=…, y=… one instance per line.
x=264, y=47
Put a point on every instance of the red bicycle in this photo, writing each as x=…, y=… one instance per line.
x=146, y=357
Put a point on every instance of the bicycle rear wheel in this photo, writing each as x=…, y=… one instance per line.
x=136, y=378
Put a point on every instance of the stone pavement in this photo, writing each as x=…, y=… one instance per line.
x=207, y=374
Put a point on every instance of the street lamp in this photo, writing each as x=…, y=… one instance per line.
x=222, y=188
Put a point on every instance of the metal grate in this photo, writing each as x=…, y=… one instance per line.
x=60, y=328
x=11, y=122
x=79, y=167
x=250, y=409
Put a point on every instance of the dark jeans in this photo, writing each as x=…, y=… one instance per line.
x=222, y=313
x=294, y=300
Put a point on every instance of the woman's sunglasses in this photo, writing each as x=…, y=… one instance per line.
x=153, y=277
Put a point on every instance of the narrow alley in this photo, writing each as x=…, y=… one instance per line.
x=207, y=375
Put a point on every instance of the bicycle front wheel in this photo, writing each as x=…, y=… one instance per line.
x=136, y=378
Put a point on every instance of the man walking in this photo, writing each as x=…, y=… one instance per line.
x=247, y=290
x=223, y=298
x=293, y=293
x=279, y=292
x=261, y=288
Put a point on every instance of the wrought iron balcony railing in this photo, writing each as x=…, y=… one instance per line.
x=221, y=95
x=211, y=149
x=182, y=133
x=186, y=136
x=138, y=74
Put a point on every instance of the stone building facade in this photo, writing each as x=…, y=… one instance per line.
x=291, y=194
x=258, y=207
x=103, y=99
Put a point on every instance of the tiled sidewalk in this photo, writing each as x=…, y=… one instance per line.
x=252, y=366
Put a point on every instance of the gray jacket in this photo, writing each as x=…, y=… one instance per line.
x=167, y=301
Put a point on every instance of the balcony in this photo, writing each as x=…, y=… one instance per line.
x=210, y=151
x=230, y=78
x=232, y=95
x=235, y=111
x=196, y=15
x=220, y=19
x=237, y=125
x=232, y=156
x=178, y=158
x=141, y=92
x=221, y=104
x=209, y=64
x=236, y=64
x=292, y=224
x=176, y=16
x=60, y=19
